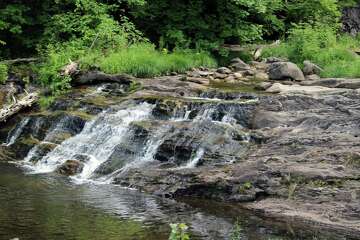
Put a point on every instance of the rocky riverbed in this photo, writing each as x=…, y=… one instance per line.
x=267, y=137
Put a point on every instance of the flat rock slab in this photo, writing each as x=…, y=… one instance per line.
x=334, y=83
x=298, y=89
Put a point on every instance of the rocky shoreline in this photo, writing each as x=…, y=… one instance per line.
x=286, y=148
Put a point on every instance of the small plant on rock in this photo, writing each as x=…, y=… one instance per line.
x=179, y=231
x=3, y=73
x=236, y=232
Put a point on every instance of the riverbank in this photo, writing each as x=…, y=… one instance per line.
x=290, y=152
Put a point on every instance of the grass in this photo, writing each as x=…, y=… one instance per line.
x=139, y=60
x=321, y=45
x=142, y=60
x=3, y=73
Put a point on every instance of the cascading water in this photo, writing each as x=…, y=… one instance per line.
x=15, y=133
x=97, y=140
x=195, y=160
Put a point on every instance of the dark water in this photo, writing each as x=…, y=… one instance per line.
x=52, y=207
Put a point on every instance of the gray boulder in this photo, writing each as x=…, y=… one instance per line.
x=285, y=71
x=70, y=168
x=223, y=70
x=238, y=65
x=311, y=68
x=275, y=59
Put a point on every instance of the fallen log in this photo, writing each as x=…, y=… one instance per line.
x=80, y=77
x=20, y=60
x=95, y=77
x=12, y=109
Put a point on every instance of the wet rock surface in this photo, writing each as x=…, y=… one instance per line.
x=70, y=168
x=293, y=156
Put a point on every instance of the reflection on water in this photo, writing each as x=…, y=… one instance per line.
x=50, y=207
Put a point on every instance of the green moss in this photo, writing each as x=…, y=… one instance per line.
x=31, y=141
x=245, y=186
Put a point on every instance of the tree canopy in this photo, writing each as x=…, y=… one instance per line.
x=27, y=26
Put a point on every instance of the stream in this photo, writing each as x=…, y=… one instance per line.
x=53, y=207
x=94, y=166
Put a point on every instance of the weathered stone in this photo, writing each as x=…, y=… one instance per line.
x=263, y=86
x=220, y=75
x=312, y=77
x=261, y=76
x=285, y=71
x=287, y=89
x=70, y=168
x=238, y=75
x=275, y=59
x=311, y=68
x=238, y=65
x=230, y=79
x=259, y=65
x=223, y=70
x=198, y=80
x=334, y=83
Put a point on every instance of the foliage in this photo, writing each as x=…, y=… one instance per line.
x=71, y=36
x=3, y=73
x=321, y=45
x=46, y=101
x=179, y=232
x=206, y=24
x=142, y=60
x=236, y=233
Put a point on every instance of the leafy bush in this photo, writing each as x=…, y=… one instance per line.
x=321, y=45
x=3, y=73
x=207, y=24
x=179, y=232
x=89, y=31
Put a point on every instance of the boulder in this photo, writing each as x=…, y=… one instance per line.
x=311, y=68
x=312, y=77
x=238, y=65
x=297, y=89
x=261, y=76
x=223, y=70
x=275, y=59
x=220, y=75
x=70, y=168
x=263, y=86
x=285, y=71
x=335, y=83
x=198, y=80
x=259, y=65
x=238, y=75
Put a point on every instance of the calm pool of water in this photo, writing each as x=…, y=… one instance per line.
x=52, y=207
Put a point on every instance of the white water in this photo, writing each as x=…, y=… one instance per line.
x=16, y=133
x=193, y=162
x=97, y=140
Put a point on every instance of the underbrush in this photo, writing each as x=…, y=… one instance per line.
x=321, y=45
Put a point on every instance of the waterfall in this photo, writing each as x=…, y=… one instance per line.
x=193, y=162
x=15, y=133
x=97, y=140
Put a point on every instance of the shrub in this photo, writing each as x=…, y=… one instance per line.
x=3, y=73
x=321, y=45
